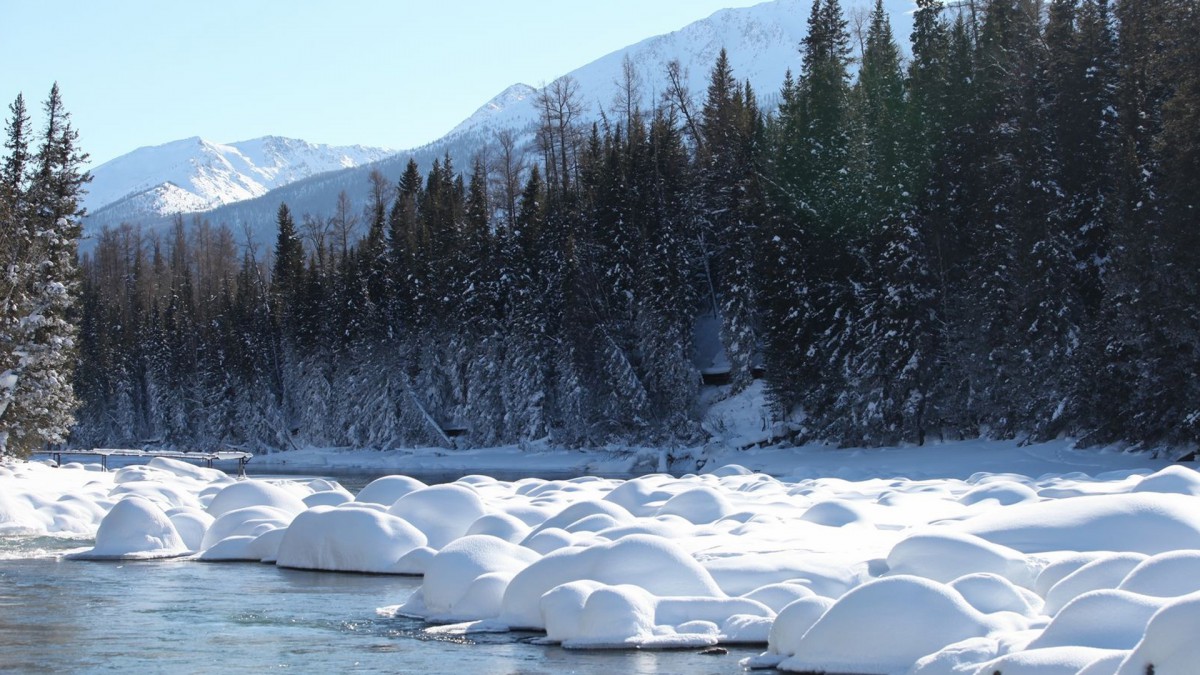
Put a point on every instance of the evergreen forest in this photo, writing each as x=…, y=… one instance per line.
x=994, y=232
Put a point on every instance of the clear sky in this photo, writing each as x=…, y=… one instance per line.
x=396, y=73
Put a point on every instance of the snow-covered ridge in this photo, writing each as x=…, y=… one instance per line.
x=763, y=43
x=195, y=174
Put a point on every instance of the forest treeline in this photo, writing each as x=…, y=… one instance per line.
x=995, y=236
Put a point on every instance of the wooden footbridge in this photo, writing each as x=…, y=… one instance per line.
x=208, y=458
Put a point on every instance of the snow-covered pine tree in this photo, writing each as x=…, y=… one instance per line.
x=811, y=260
x=41, y=362
x=891, y=360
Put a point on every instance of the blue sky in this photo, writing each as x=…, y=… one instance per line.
x=375, y=72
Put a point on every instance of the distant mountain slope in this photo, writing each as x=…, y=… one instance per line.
x=198, y=175
x=762, y=41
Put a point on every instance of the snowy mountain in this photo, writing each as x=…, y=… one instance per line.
x=762, y=43
x=198, y=175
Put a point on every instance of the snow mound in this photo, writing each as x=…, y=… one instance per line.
x=640, y=496
x=580, y=510
x=245, y=493
x=18, y=516
x=1003, y=493
x=328, y=498
x=1104, y=573
x=232, y=549
x=500, y=525
x=1165, y=575
x=1174, y=479
x=698, y=506
x=991, y=593
x=947, y=555
x=442, y=512
x=1105, y=619
x=388, y=489
x=136, y=528
x=1169, y=646
x=1145, y=522
x=454, y=588
x=1049, y=661
x=182, y=469
x=347, y=540
x=191, y=524
x=613, y=616
x=587, y=614
x=836, y=513
x=1057, y=570
x=779, y=595
x=249, y=521
x=884, y=626
x=655, y=564
x=562, y=609
x=793, y=622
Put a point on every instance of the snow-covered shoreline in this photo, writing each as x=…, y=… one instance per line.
x=955, y=459
x=955, y=558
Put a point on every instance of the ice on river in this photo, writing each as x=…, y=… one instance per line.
x=866, y=572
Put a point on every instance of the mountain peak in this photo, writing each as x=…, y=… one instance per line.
x=762, y=41
x=195, y=174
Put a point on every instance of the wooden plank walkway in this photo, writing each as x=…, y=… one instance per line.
x=207, y=457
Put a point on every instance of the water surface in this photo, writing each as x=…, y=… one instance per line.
x=181, y=616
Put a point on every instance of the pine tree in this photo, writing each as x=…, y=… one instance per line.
x=289, y=260
x=889, y=346
x=39, y=403
x=810, y=258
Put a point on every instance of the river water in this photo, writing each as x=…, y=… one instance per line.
x=181, y=616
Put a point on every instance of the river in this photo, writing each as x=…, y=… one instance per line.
x=181, y=616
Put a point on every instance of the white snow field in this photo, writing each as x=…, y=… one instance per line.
x=975, y=558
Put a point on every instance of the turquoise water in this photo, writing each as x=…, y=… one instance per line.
x=189, y=617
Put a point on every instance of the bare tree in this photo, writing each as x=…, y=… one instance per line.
x=316, y=230
x=860, y=24
x=560, y=106
x=679, y=100
x=382, y=193
x=629, y=92
x=508, y=166
x=344, y=223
